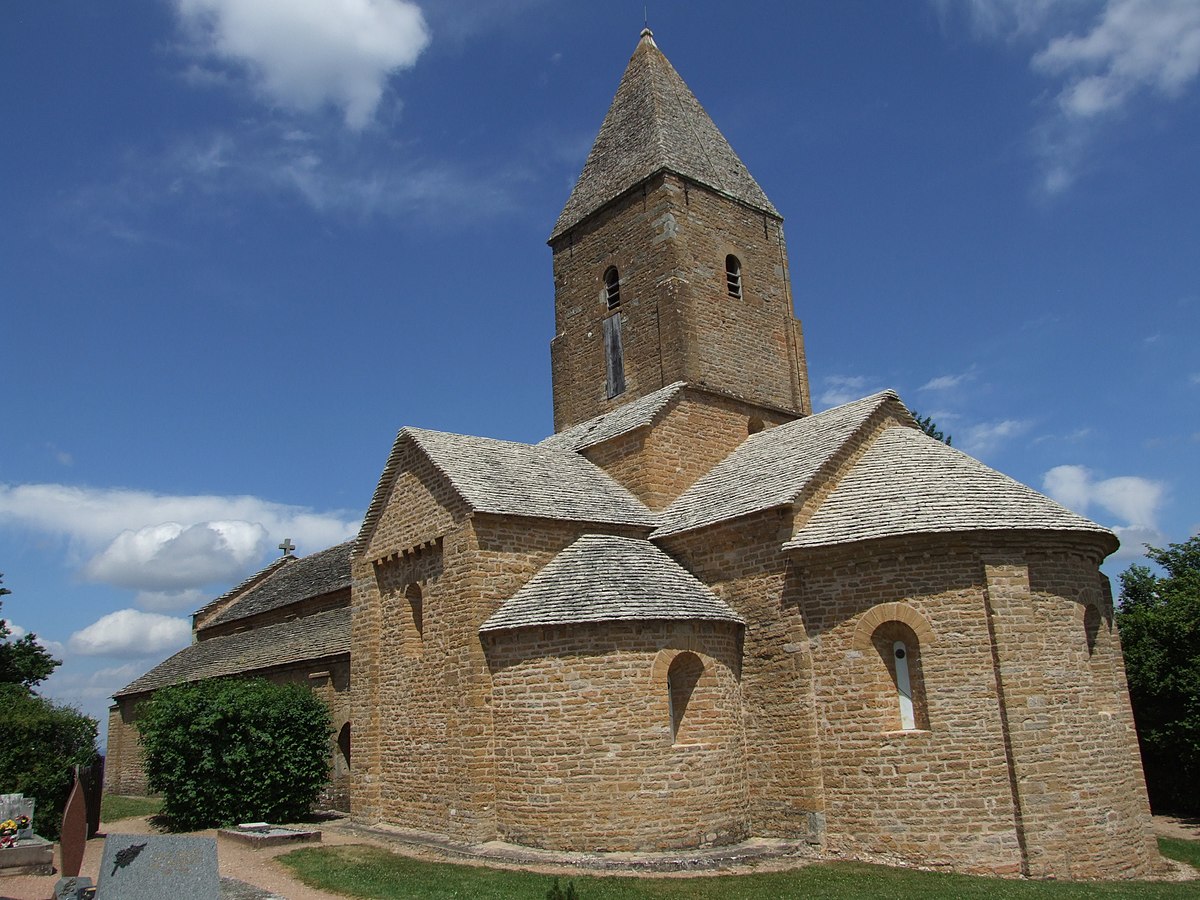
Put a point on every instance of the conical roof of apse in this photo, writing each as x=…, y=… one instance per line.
x=655, y=123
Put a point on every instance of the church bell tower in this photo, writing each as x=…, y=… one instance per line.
x=670, y=263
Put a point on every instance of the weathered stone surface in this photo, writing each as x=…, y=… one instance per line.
x=150, y=867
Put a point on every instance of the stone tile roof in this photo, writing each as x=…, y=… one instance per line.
x=250, y=581
x=300, y=579
x=508, y=478
x=909, y=483
x=312, y=637
x=655, y=123
x=770, y=468
x=603, y=578
x=615, y=423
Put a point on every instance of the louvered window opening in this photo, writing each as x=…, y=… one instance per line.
x=733, y=277
x=612, y=287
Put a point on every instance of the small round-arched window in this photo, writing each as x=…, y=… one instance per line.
x=612, y=287
x=733, y=277
x=682, y=677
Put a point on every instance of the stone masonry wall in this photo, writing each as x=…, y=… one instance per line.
x=698, y=430
x=398, y=728
x=585, y=755
x=668, y=240
x=1083, y=805
x=424, y=693
x=938, y=794
x=741, y=562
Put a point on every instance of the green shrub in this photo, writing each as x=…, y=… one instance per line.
x=232, y=750
x=42, y=743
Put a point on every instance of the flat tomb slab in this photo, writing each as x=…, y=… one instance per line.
x=260, y=834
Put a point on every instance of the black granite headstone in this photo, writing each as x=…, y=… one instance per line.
x=152, y=867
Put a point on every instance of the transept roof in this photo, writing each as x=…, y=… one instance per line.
x=909, y=483
x=602, y=578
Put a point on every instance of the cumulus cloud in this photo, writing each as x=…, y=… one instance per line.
x=1102, y=58
x=167, y=546
x=171, y=556
x=307, y=54
x=1131, y=503
x=130, y=632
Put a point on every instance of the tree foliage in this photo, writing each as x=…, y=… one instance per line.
x=1159, y=621
x=928, y=426
x=42, y=743
x=24, y=661
x=234, y=750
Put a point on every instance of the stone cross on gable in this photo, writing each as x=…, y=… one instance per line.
x=287, y=546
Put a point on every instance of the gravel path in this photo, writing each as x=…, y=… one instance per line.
x=247, y=873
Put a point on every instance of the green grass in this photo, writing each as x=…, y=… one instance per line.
x=114, y=808
x=362, y=871
x=1184, y=851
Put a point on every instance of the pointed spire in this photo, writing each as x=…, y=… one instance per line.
x=656, y=124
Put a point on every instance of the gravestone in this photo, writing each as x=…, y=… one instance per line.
x=22, y=852
x=72, y=839
x=16, y=806
x=152, y=867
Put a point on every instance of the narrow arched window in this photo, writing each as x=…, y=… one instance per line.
x=904, y=694
x=343, y=743
x=612, y=287
x=901, y=679
x=733, y=276
x=417, y=611
x=682, y=676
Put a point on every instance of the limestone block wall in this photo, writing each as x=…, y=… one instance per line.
x=587, y=757
x=423, y=723
x=939, y=793
x=668, y=239
x=124, y=765
x=399, y=724
x=742, y=563
x=696, y=432
x=1074, y=754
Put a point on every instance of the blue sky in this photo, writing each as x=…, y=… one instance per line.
x=245, y=241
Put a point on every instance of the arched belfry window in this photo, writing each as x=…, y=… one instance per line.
x=733, y=276
x=614, y=352
x=682, y=677
x=612, y=287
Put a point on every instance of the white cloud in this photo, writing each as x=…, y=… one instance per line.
x=1130, y=501
x=167, y=546
x=984, y=437
x=306, y=54
x=1102, y=57
x=841, y=389
x=16, y=632
x=171, y=556
x=945, y=382
x=130, y=632
x=172, y=601
x=1132, y=45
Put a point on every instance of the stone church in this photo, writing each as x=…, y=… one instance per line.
x=698, y=612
